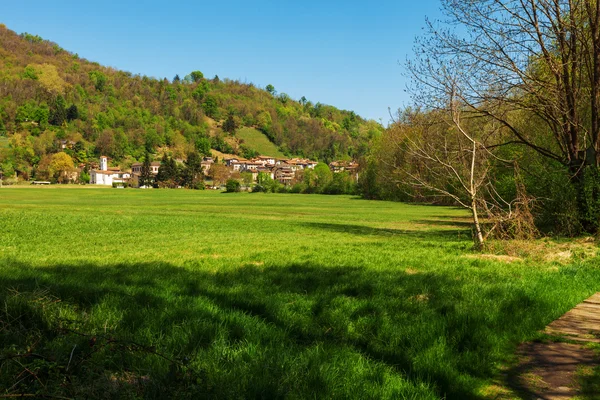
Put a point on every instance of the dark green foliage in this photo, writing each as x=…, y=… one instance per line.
x=120, y=185
x=146, y=178
x=84, y=177
x=31, y=111
x=270, y=89
x=72, y=113
x=168, y=173
x=233, y=186
x=197, y=76
x=368, y=186
x=198, y=185
x=203, y=146
x=32, y=38
x=192, y=172
x=284, y=98
x=30, y=73
x=588, y=198
x=248, y=153
x=210, y=106
x=317, y=179
x=341, y=183
x=58, y=114
x=201, y=90
x=176, y=79
x=218, y=143
x=98, y=79
x=229, y=125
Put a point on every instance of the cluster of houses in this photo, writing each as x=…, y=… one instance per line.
x=282, y=170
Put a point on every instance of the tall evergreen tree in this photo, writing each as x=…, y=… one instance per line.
x=59, y=111
x=174, y=171
x=164, y=171
x=72, y=113
x=146, y=178
x=193, y=169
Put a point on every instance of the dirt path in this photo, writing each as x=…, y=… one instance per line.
x=553, y=370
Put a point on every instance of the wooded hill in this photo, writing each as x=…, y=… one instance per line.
x=50, y=98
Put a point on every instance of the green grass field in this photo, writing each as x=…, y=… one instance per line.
x=256, y=140
x=109, y=293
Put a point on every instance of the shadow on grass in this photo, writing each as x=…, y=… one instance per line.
x=453, y=223
x=254, y=331
x=370, y=231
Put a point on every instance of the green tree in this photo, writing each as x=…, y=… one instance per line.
x=146, y=179
x=192, y=171
x=72, y=113
x=246, y=178
x=176, y=79
x=233, y=186
x=59, y=111
x=323, y=175
x=164, y=171
x=271, y=89
x=98, y=79
x=203, y=146
x=230, y=125
x=197, y=76
x=210, y=106
x=61, y=167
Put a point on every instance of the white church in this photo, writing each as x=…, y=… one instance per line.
x=107, y=176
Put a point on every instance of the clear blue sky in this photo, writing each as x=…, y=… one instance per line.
x=345, y=53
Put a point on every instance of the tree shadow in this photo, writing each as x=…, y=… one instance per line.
x=287, y=322
x=545, y=368
x=449, y=222
x=388, y=232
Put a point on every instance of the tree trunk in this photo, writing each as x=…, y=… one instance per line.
x=478, y=234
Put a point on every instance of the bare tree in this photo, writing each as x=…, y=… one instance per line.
x=523, y=60
x=439, y=154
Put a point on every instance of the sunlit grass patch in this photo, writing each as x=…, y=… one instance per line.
x=253, y=295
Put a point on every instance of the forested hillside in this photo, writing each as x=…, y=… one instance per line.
x=52, y=100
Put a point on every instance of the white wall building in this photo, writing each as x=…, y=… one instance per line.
x=106, y=176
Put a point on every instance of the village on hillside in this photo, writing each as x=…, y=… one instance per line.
x=286, y=172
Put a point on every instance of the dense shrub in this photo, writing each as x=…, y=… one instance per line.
x=233, y=186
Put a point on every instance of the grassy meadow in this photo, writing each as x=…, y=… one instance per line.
x=110, y=293
x=256, y=140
